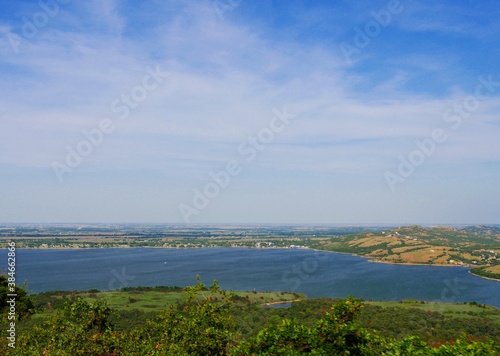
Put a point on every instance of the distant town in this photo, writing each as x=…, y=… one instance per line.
x=477, y=247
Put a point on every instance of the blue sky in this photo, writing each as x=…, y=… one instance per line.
x=391, y=111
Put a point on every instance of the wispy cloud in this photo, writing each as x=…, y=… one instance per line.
x=226, y=76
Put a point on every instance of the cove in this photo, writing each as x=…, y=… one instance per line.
x=314, y=273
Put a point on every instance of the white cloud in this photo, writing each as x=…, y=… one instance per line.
x=227, y=76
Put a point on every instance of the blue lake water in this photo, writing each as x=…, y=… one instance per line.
x=317, y=274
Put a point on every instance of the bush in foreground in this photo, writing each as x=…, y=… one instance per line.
x=206, y=328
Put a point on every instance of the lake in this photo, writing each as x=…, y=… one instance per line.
x=314, y=273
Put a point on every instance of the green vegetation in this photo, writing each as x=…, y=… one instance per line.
x=208, y=321
x=476, y=247
x=492, y=272
x=152, y=299
x=23, y=304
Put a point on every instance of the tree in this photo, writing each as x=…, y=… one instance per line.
x=200, y=327
x=203, y=325
x=23, y=304
x=338, y=334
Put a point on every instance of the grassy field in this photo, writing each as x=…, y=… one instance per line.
x=155, y=301
x=432, y=321
x=458, y=310
x=418, y=245
x=493, y=269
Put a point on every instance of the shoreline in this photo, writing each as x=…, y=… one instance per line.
x=489, y=278
x=282, y=302
x=430, y=265
x=411, y=263
x=417, y=264
x=257, y=248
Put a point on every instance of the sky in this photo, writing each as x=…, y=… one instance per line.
x=239, y=111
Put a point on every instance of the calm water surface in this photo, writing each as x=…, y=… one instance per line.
x=317, y=274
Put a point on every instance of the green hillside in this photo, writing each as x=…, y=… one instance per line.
x=477, y=247
x=208, y=321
